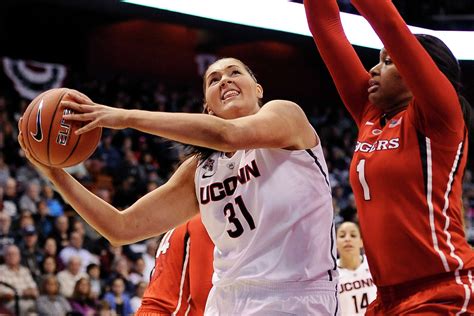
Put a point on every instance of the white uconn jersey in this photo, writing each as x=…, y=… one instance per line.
x=356, y=289
x=269, y=213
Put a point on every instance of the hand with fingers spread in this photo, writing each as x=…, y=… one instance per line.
x=92, y=114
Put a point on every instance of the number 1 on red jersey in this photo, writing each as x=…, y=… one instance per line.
x=363, y=182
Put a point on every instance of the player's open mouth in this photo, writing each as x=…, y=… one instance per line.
x=230, y=94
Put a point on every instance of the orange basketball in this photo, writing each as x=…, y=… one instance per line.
x=49, y=138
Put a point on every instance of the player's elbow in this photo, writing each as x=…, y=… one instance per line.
x=116, y=239
x=119, y=233
x=116, y=242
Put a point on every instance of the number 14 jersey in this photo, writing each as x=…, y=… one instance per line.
x=269, y=213
x=356, y=289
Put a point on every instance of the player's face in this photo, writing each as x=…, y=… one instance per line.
x=387, y=89
x=348, y=240
x=230, y=91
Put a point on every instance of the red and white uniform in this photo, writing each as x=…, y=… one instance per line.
x=181, y=280
x=406, y=175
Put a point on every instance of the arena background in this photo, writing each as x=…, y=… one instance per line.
x=130, y=56
x=101, y=38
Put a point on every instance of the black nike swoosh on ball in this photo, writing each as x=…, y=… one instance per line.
x=38, y=136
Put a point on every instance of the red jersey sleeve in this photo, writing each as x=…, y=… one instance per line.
x=183, y=272
x=168, y=291
x=345, y=67
x=436, y=111
x=200, y=265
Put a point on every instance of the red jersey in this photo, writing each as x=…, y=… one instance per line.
x=406, y=175
x=182, y=277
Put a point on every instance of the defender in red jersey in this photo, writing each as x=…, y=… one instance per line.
x=182, y=277
x=409, y=160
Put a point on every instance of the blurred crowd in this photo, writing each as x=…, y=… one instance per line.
x=58, y=264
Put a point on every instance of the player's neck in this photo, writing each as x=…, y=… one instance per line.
x=350, y=262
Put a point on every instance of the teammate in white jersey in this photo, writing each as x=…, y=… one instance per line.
x=356, y=288
x=264, y=194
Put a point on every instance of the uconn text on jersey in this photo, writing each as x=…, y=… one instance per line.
x=219, y=190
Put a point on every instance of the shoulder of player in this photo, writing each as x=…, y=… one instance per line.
x=282, y=107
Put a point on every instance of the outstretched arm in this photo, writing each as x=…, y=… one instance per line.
x=160, y=210
x=436, y=102
x=278, y=124
x=347, y=71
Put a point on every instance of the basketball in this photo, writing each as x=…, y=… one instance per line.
x=49, y=138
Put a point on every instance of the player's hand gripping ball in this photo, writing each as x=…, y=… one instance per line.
x=49, y=138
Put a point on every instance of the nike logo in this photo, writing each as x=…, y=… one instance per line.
x=38, y=136
x=204, y=176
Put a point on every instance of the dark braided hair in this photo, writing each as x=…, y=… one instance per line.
x=449, y=66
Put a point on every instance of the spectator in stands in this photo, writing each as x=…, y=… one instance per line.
x=7, y=206
x=75, y=249
x=48, y=268
x=26, y=174
x=121, y=269
x=104, y=309
x=54, y=204
x=82, y=302
x=25, y=219
x=4, y=170
x=43, y=221
x=11, y=192
x=148, y=162
x=51, y=302
x=6, y=235
x=108, y=257
x=60, y=232
x=31, y=255
x=108, y=153
x=19, y=277
x=149, y=256
x=68, y=277
x=50, y=249
x=117, y=298
x=97, y=284
x=138, y=272
x=31, y=197
x=78, y=226
x=136, y=300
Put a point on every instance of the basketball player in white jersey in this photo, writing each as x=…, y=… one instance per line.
x=356, y=288
x=262, y=190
